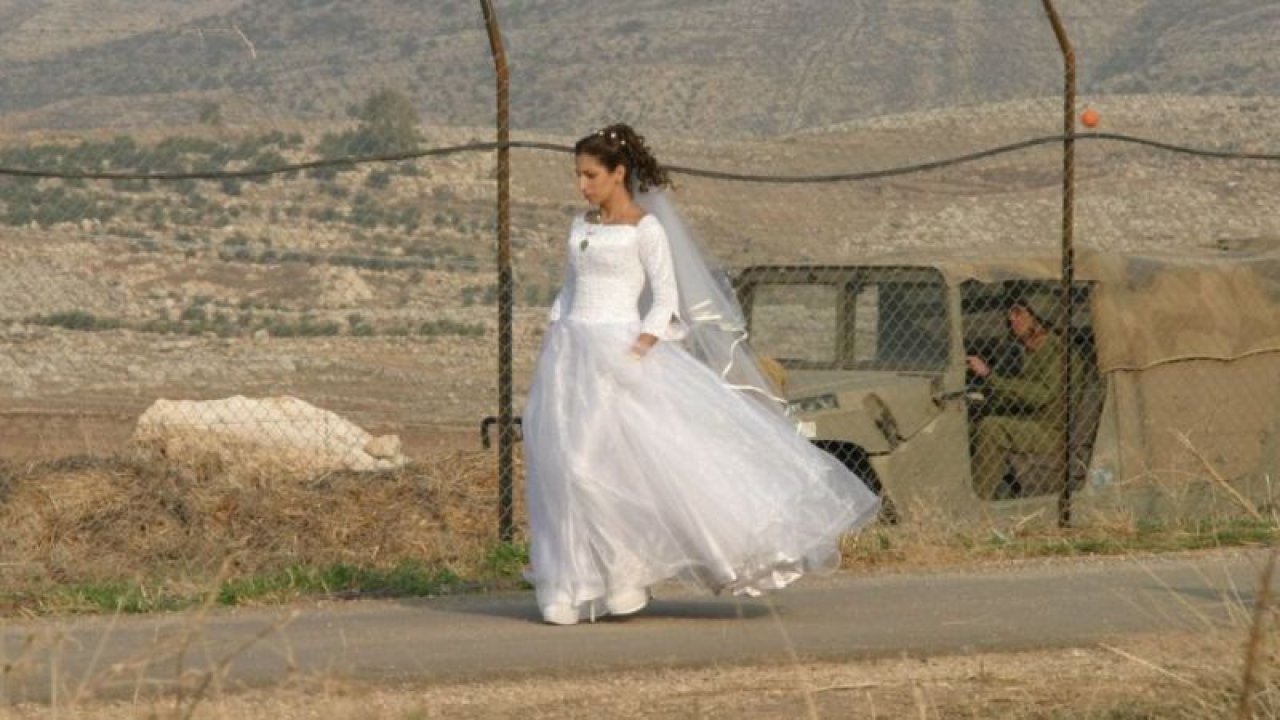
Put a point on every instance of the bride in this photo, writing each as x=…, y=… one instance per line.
x=655, y=446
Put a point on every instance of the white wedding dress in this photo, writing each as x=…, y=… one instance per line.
x=645, y=469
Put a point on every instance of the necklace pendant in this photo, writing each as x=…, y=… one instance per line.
x=583, y=245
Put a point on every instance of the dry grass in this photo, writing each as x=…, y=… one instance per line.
x=172, y=527
x=934, y=539
x=138, y=532
x=1186, y=677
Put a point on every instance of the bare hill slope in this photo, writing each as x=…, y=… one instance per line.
x=733, y=66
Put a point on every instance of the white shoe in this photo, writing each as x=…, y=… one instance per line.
x=626, y=602
x=559, y=614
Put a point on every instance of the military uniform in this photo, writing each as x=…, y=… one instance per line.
x=1028, y=415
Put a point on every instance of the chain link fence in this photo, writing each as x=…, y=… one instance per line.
x=343, y=310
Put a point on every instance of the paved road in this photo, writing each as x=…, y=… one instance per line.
x=465, y=638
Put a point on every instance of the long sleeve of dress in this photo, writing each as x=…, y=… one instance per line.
x=561, y=304
x=655, y=256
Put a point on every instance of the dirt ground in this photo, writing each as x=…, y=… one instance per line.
x=1143, y=677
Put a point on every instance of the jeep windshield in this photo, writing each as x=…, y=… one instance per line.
x=842, y=318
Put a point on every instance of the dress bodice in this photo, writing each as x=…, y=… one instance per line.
x=609, y=269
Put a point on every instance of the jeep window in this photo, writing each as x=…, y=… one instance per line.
x=898, y=323
x=795, y=323
x=843, y=319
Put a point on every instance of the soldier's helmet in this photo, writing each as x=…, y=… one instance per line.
x=1040, y=301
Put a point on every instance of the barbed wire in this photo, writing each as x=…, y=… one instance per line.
x=898, y=170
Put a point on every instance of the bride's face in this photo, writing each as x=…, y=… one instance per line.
x=597, y=183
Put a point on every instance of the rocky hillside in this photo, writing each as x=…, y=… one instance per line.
x=733, y=66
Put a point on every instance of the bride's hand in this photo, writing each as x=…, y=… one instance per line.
x=643, y=345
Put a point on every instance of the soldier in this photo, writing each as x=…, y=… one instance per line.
x=1028, y=410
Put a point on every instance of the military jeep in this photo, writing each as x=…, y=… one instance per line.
x=874, y=360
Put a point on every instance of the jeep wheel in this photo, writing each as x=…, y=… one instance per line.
x=854, y=458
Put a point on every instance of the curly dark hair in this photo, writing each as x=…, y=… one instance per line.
x=619, y=144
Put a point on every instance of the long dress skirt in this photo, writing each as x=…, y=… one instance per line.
x=647, y=469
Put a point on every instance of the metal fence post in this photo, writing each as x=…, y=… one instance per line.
x=1068, y=247
x=506, y=434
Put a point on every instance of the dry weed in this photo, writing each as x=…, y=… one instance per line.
x=129, y=517
x=174, y=524
x=1188, y=677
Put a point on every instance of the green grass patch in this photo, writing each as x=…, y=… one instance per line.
x=122, y=597
x=506, y=561
x=407, y=579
